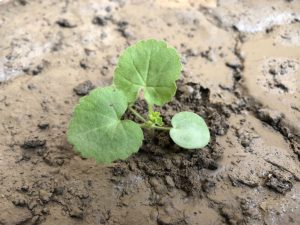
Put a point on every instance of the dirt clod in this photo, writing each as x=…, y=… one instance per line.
x=35, y=69
x=240, y=74
x=99, y=20
x=271, y=117
x=43, y=125
x=45, y=195
x=231, y=217
x=65, y=23
x=76, y=212
x=250, y=209
x=84, y=88
x=278, y=183
x=19, y=201
x=33, y=142
x=208, y=185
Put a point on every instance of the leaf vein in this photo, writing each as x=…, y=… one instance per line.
x=138, y=72
x=127, y=79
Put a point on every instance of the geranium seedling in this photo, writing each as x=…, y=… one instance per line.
x=149, y=68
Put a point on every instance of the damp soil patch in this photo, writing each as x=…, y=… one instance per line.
x=160, y=158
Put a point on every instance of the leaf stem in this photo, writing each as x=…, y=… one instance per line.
x=137, y=114
x=150, y=108
x=161, y=128
x=155, y=127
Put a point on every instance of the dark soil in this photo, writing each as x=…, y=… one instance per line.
x=172, y=166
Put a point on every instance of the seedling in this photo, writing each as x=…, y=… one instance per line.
x=147, y=69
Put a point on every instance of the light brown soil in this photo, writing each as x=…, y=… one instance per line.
x=241, y=73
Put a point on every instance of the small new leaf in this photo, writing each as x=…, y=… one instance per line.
x=156, y=118
x=189, y=130
x=150, y=66
x=97, y=131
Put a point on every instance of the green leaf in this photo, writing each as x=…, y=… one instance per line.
x=150, y=66
x=189, y=130
x=97, y=131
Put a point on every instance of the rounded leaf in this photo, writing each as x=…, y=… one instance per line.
x=97, y=131
x=150, y=66
x=189, y=130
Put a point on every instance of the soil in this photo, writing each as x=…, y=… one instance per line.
x=241, y=74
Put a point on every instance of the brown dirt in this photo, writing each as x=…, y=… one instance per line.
x=241, y=73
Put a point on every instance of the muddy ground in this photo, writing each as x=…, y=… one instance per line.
x=241, y=73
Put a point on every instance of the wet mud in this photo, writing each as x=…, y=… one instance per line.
x=241, y=73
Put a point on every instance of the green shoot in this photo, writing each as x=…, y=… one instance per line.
x=147, y=69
